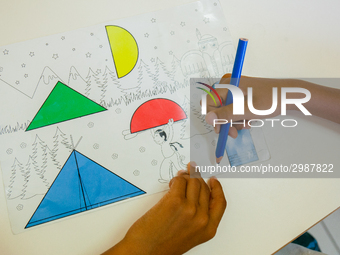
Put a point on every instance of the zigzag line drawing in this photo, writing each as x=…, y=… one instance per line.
x=51, y=75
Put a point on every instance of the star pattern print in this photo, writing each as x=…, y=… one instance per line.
x=53, y=55
x=66, y=50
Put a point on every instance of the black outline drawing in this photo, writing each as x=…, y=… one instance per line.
x=158, y=125
x=210, y=64
x=111, y=89
x=42, y=165
x=195, y=115
x=112, y=52
x=172, y=159
x=94, y=86
x=76, y=81
x=30, y=190
x=127, y=133
x=63, y=120
x=16, y=185
x=41, y=78
x=87, y=207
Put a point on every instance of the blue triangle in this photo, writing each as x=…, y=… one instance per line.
x=81, y=185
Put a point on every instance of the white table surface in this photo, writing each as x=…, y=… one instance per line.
x=287, y=39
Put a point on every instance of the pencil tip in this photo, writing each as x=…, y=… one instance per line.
x=218, y=160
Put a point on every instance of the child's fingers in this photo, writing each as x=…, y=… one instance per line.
x=233, y=132
x=226, y=113
x=178, y=186
x=218, y=202
x=204, y=191
x=225, y=78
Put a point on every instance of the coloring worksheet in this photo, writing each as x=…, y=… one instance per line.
x=99, y=115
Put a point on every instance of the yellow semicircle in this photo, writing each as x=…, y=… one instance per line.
x=124, y=49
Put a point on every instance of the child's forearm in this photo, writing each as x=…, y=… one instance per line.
x=324, y=102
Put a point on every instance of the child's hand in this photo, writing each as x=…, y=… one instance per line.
x=186, y=216
x=324, y=101
x=262, y=100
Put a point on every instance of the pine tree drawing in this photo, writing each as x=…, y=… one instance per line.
x=93, y=87
x=111, y=89
x=161, y=77
x=185, y=126
x=176, y=72
x=144, y=83
x=17, y=181
x=34, y=185
x=201, y=126
x=197, y=122
x=145, y=78
x=39, y=156
x=104, y=85
x=58, y=151
x=76, y=82
x=141, y=69
x=52, y=169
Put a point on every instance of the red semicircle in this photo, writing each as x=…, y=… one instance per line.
x=154, y=113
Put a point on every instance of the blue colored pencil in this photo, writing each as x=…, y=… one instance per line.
x=234, y=80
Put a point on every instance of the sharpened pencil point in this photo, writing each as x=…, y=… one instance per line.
x=218, y=160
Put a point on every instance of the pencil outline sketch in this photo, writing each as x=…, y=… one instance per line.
x=172, y=160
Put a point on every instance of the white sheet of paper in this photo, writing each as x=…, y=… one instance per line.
x=47, y=165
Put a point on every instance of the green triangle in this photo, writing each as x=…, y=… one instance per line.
x=63, y=104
